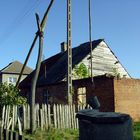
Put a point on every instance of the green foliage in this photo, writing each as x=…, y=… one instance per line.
x=116, y=73
x=81, y=71
x=9, y=95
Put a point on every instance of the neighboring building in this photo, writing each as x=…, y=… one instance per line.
x=11, y=72
x=54, y=71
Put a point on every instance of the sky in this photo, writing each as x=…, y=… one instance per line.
x=115, y=21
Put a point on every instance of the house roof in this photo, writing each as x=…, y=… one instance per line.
x=15, y=68
x=54, y=69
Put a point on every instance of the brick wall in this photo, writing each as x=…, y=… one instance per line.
x=58, y=92
x=127, y=97
x=121, y=95
x=103, y=90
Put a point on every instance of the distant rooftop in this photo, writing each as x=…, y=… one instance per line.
x=15, y=68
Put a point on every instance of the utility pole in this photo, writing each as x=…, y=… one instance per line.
x=69, y=52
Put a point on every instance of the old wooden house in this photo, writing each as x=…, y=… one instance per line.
x=52, y=85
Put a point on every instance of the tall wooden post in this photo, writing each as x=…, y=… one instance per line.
x=36, y=73
x=40, y=32
x=43, y=23
x=69, y=51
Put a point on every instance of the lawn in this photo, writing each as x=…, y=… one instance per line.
x=70, y=134
x=55, y=134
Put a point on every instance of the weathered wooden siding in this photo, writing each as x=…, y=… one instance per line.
x=105, y=62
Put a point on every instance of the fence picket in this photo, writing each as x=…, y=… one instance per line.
x=46, y=117
x=59, y=116
x=54, y=116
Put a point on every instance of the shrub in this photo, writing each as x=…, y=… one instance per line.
x=9, y=95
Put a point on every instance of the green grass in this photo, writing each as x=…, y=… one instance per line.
x=69, y=134
x=136, y=131
x=54, y=134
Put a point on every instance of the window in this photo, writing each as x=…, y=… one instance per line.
x=46, y=96
x=81, y=95
x=12, y=80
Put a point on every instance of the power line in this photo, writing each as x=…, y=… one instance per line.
x=19, y=20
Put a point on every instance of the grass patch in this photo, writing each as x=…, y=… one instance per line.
x=69, y=134
x=136, y=131
x=54, y=134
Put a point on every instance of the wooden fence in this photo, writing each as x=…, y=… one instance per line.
x=57, y=116
x=11, y=135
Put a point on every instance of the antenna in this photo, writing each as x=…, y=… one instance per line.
x=69, y=51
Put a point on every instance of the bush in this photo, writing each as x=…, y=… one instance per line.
x=9, y=95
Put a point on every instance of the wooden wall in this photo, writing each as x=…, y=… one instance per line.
x=105, y=62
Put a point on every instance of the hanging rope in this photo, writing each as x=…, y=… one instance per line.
x=90, y=40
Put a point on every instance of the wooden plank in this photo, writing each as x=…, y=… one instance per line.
x=6, y=117
x=72, y=116
x=46, y=117
x=37, y=116
x=49, y=115
x=13, y=119
x=19, y=126
x=28, y=118
x=63, y=116
x=41, y=119
x=9, y=124
x=24, y=118
x=67, y=116
x=58, y=117
x=43, y=115
x=54, y=116
x=3, y=117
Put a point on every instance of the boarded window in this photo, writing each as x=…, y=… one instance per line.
x=81, y=95
x=46, y=96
